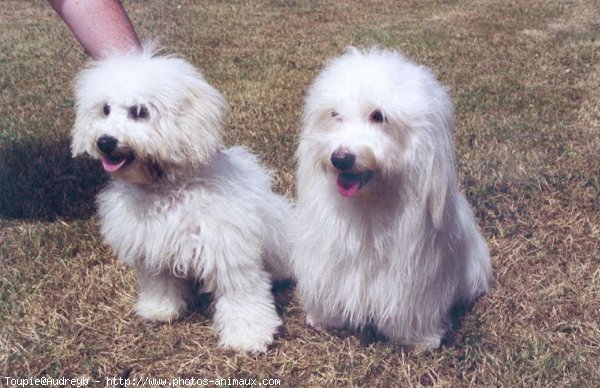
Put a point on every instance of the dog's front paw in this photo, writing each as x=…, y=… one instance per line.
x=163, y=297
x=160, y=310
x=244, y=326
x=247, y=339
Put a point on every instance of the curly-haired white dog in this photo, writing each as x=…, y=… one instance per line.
x=180, y=208
x=382, y=235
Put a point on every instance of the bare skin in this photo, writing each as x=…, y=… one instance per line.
x=100, y=26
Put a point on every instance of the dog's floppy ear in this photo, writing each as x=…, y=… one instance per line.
x=202, y=119
x=435, y=184
x=193, y=118
x=79, y=141
x=437, y=166
x=84, y=114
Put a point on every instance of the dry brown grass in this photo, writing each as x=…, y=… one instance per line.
x=526, y=80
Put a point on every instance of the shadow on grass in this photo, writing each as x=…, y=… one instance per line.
x=40, y=180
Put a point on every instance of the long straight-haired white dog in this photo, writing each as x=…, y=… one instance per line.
x=382, y=236
x=179, y=207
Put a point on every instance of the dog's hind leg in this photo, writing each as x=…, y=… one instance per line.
x=245, y=315
x=162, y=297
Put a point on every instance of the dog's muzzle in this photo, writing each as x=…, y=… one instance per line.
x=113, y=156
x=349, y=179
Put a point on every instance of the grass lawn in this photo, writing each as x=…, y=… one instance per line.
x=525, y=77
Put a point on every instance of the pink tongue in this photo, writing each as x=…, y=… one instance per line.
x=348, y=187
x=110, y=166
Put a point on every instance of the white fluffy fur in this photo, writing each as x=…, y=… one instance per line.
x=402, y=251
x=183, y=210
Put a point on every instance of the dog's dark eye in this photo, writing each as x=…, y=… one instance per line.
x=138, y=112
x=335, y=114
x=376, y=117
x=106, y=109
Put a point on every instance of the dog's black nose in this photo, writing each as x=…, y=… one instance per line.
x=107, y=144
x=342, y=159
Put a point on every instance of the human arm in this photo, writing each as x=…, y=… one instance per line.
x=100, y=26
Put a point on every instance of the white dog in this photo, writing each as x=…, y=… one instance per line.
x=180, y=208
x=382, y=235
